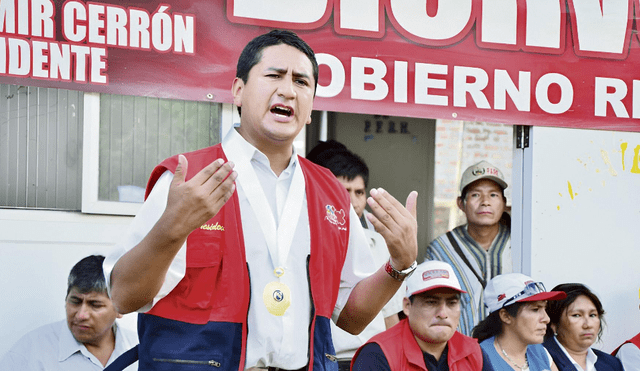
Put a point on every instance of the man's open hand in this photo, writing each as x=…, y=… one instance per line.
x=192, y=203
x=397, y=224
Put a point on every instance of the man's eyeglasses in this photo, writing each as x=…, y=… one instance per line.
x=531, y=289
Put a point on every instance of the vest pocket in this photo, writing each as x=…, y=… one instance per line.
x=188, y=362
x=204, y=248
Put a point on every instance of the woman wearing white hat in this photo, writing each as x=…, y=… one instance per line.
x=513, y=332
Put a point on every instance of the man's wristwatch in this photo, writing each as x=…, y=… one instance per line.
x=399, y=275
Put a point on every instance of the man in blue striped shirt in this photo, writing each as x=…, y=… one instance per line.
x=480, y=249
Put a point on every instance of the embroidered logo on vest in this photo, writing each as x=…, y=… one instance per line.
x=336, y=217
x=212, y=227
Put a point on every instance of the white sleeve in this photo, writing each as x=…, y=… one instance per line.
x=358, y=263
x=146, y=218
x=629, y=355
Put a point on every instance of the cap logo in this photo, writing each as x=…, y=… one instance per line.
x=435, y=273
x=501, y=296
x=476, y=172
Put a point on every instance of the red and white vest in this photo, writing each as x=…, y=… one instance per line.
x=203, y=320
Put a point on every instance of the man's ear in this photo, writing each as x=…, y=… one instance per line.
x=460, y=203
x=406, y=306
x=236, y=90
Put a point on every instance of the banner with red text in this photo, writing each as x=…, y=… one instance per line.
x=545, y=62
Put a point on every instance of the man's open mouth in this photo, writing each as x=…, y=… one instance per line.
x=281, y=110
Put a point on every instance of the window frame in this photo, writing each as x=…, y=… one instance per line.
x=90, y=204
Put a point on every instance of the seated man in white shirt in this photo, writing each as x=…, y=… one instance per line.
x=243, y=252
x=89, y=339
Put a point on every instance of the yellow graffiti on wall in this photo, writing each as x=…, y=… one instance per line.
x=623, y=148
x=635, y=169
x=605, y=157
x=570, y=190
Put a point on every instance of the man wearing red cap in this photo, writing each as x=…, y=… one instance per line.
x=427, y=339
x=480, y=249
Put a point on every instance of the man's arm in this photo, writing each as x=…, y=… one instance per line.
x=138, y=275
x=398, y=226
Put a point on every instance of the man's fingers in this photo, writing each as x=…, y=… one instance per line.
x=181, y=170
x=412, y=204
x=223, y=176
x=206, y=173
x=385, y=206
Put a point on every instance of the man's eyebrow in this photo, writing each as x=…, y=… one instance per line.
x=301, y=74
x=283, y=71
x=277, y=69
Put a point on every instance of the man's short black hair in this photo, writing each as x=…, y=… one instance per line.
x=252, y=52
x=339, y=160
x=87, y=276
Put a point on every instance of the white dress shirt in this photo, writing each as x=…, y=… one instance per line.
x=277, y=341
x=52, y=347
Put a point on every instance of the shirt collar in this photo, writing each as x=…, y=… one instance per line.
x=68, y=345
x=237, y=149
x=592, y=358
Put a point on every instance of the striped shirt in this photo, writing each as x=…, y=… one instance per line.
x=486, y=263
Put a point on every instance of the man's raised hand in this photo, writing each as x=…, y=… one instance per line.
x=397, y=224
x=193, y=202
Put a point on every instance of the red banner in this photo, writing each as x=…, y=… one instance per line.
x=544, y=62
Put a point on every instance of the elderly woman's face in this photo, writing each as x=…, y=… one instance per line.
x=579, y=325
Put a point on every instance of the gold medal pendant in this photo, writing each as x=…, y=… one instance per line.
x=277, y=298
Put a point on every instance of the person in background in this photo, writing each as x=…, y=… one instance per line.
x=353, y=173
x=629, y=353
x=427, y=338
x=89, y=339
x=243, y=252
x=576, y=323
x=480, y=249
x=513, y=332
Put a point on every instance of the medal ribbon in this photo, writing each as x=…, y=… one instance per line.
x=280, y=238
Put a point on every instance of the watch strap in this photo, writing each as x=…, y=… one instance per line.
x=399, y=275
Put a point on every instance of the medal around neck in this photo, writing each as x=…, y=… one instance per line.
x=277, y=298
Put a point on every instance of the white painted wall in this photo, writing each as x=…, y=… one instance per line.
x=589, y=234
x=37, y=251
